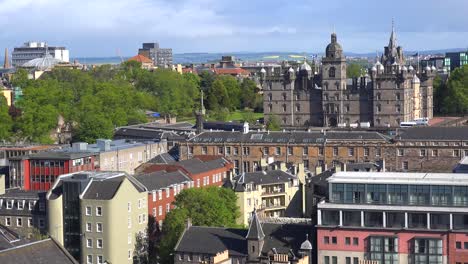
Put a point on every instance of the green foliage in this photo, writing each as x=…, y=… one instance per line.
x=6, y=123
x=451, y=98
x=354, y=70
x=273, y=123
x=140, y=251
x=218, y=96
x=212, y=206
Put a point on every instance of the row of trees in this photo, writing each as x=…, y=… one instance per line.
x=95, y=102
x=451, y=96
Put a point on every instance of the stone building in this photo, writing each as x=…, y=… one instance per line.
x=389, y=93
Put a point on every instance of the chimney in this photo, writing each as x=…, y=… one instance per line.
x=6, y=64
x=103, y=144
x=188, y=224
x=246, y=127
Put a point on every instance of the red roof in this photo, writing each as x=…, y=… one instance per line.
x=140, y=58
x=232, y=71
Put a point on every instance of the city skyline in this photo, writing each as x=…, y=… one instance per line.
x=107, y=27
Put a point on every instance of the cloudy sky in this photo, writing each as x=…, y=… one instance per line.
x=102, y=27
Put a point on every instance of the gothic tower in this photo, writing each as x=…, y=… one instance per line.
x=255, y=238
x=333, y=83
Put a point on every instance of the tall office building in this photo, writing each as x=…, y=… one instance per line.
x=33, y=50
x=97, y=215
x=395, y=218
x=162, y=57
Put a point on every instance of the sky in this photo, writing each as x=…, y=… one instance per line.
x=101, y=28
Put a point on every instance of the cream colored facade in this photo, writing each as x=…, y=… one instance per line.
x=123, y=217
x=8, y=96
x=127, y=159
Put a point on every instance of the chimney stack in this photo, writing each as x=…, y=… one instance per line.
x=6, y=64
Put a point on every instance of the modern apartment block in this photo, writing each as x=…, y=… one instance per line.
x=33, y=50
x=379, y=217
x=273, y=193
x=97, y=215
x=455, y=60
x=162, y=57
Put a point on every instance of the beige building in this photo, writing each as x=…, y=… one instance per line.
x=122, y=155
x=103, y=212
x=273, y=193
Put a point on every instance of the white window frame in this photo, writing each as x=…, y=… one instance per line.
x=99, y=227
x=98, y=211
x=30, y=222
x=160, y=194
x=89, y=227
x=89, y=243
x=7, y=221
x=100, y=259
x=89, y=259
x=160, y=210
x=154, y=196
x=97, y=243
x=9, y=204
x=19, y=221
x=168, y=207
x=88, y=210
x=21, y=205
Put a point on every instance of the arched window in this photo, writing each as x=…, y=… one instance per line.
x=331, y=72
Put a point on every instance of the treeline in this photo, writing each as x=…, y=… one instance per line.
x=95, y=102
x=451, y=96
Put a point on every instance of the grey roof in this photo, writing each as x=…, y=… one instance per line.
x=54, y=155
x=211, y=240
x=103, y=190
x=162, y=179
x=146, y=133
x=255, y=228
x=16, y=193
x=286, y=137
x=261, y=178
x=433, y=133
x=195, y=165
x=163, y=158
x=45, y=63
x=45, y=251
x=9, y=238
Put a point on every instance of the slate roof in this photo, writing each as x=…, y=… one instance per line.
x=162, y=179
x=163, y=158
x=54, y=155
x=261, y=178
x=255, y=228
x=212, y=240
x=195, y=165
x=432, y=133
x=145, y=133
x=45, y=251
x=16, y=193
x=286, y=137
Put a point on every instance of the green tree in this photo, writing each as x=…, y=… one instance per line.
x=273, y=123
x=140, y=251
x=6, y=123
x=354, y=70
x=249, y=93
x=217, y=96
x=439, y=93
x=212, y=206
x=456, y=100
x=249, y=117
x=233, y=91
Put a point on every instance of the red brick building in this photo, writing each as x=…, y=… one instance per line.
x=165, y=181
x=38, y=171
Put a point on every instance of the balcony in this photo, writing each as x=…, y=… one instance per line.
x=272, y=206
x=273, y=192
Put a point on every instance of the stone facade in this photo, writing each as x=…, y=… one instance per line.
x=389, y=93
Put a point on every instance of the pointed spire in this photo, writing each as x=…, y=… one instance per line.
x=6, y=64
x=255, y=228
x=392, y=44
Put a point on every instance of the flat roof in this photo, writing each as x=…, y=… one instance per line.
x=400, y=178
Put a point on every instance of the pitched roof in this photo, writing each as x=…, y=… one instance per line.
x=433, y=133
x=261, y=178
x=103, y=190
x=46, y=251
x=56, y=155
x=195, y=165
x=163, y=158
x=162, y=179
x=287, y=137
x=232, y=71
x=255, y=228
x=140, y=58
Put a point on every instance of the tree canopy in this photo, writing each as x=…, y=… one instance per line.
x=212, y=206
x=6, y=123
x=451, y=97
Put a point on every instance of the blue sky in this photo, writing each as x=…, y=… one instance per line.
x=101, y=27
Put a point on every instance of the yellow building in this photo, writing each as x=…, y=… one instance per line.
x=7, y=94
x=97, y=215
x=273, y=193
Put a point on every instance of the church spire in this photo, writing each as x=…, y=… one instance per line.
x=6, y=64
x=392, y=44
x=255, y=228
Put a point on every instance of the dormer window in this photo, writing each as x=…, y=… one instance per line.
x=21, y=205
x=9, y=204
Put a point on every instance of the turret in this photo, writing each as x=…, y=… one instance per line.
x=255, y=237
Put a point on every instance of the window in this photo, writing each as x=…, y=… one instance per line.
x=228, y=150
x=99, y=243
x=139, y=203
x=98, y=227
x=347, y=241
x=89, y=259
x=320, y=151
x=129, y=254
x=89, y=243
x=350, y=151
x=355, y=241
x=332, y=72
x=30, y=222
x=284, y=108
x=335, y=151
x=19, y=221
x=236, y=151
x=277, y=151
x=334, y=260
x=348, y=260
x=355, y=260
x=89, y=227
x=400, y=152
x=383, y=249
x=98, y=211
x=326, y=260
x=379, y=108
x=168, y=208
x=366, y=152
x=435, y=152
x=160, y=210
x=378, y=152
x=204, y=150
x=298, y=107
x=7, y=221
x=290, y=150
x=266, y=151
x=404, y=165
x=20, y=205
x=422, y=152
x=220, y=150
x=456, y=153
x=334, y=240
x=305, y=151
x=246, y=151
x=326, y=240
x=427, y=251
x=465, y=245
x=41, y=223
x=168, y=192
x=458, y=245
x=9, y=204
x=31, y=205
x=100, y=260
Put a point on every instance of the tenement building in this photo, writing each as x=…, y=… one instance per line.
x=389, y=93
x=397, y=218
